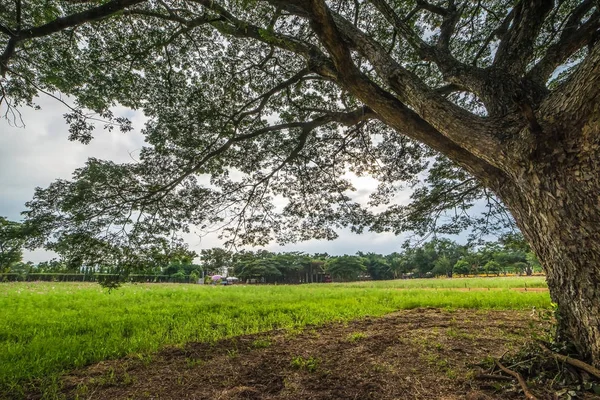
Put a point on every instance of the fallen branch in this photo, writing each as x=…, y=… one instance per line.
x=573, y=361
x=518, y=377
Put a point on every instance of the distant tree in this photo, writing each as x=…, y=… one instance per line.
x=533, y=263
x=216, y=260
x=347, y=268
x=521, y=268
x=443, y=266
x=258, y=268
x=377, y=266
x=492, y=267
x=508, y=258
x=398, y=264
x=514, y=242
x=11, y=243
x=422, y=259
x=462, y=267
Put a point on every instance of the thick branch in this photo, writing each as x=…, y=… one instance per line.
x=77, y=19
x=432, y=8
x=467, y=130
x=6, y=30
x=563, y=105
x=516, y=47
x=317, y=61
x=448, y=26
x=388, y=107
x=498, y=32
x=448, y=89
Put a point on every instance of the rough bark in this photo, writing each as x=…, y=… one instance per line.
x=555, y=199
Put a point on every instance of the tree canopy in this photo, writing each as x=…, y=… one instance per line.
x=248, y=104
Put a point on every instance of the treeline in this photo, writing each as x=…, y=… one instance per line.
x=61, y=271
x=438, y=257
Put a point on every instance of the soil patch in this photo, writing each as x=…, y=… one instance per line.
x=411, y=354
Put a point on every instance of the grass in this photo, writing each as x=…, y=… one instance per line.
x=485, y=283
x=49, y=328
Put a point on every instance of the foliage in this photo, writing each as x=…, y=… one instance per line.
x=492, y=267
x=462, y=267
x=345, y=268
x=12, y=241
x=443, y=266
x=260, y=113
x=377, y=266
x=439, y=257
x=215, y=260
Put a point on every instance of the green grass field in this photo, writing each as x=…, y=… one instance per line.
x=458, y=283
x=49, y=328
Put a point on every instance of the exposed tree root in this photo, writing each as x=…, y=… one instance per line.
x=573, y=361
x=518, y=377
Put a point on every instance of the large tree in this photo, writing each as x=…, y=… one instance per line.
x=255, y=101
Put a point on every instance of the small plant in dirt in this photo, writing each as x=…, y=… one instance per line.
x=193, y=362
x=356, y=336
x=261, y=343
x=309, y=364
x=146, y=359
x=232, y=353
x=382, y=368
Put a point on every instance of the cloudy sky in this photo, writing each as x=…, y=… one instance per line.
x=39, y=153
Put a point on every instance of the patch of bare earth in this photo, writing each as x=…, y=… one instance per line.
x=412, y=354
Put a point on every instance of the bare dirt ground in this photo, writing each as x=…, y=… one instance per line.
x=413, y=354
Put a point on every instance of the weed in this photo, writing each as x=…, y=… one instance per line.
x=356, y=336
x=452, y=374
x=309, y=364
x=381, y=368
x=261, y=343
x=146, y=359
x=232, y=353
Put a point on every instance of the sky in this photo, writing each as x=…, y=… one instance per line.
x=38, y=153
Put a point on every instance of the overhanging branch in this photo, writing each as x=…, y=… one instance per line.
x=475, y=156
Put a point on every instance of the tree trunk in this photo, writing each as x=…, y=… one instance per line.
x=555, y=199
